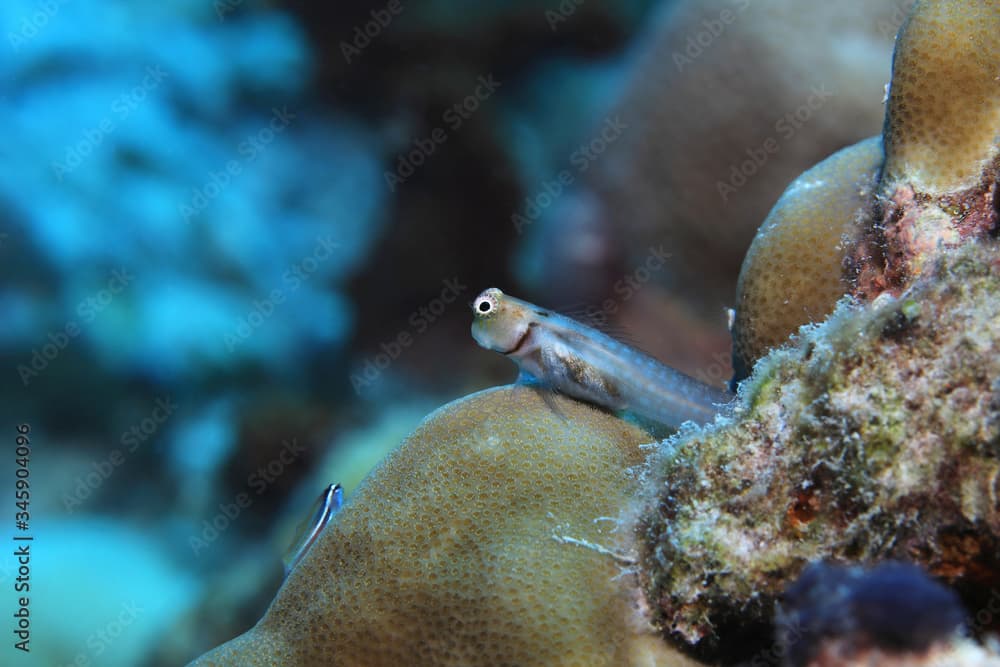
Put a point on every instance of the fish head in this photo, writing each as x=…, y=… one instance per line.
x=500, y=323
x=309, y=530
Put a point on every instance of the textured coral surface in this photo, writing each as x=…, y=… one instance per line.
x=458, y=550
x=939, y=182
x=792, y=272
x=876, y=436
x=944, y=102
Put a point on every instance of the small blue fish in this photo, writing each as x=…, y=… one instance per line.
x=309, y=530
x=574, y=359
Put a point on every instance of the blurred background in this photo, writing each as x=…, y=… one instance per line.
x=239, y=238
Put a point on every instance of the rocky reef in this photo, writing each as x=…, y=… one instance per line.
x=876, y=436
x=876, y=433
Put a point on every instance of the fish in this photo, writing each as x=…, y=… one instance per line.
x=564, y=355
x=308, y=531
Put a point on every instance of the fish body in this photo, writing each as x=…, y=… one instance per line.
x=579, y=361
x=309, y=530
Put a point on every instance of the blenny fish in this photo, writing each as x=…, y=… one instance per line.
x=564, y=355
x=309, y=530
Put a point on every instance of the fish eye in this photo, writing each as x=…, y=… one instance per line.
x=485, y=305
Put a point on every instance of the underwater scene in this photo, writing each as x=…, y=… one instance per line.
x=509, y=333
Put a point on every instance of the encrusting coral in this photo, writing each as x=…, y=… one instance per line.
x=487, y=538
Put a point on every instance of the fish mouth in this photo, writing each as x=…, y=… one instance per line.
x=520, y=341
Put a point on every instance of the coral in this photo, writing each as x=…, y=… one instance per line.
x=876, y=436
x=350, y=458
x=484, y=539
x=792, y=272
x=518, y=528
x=942, y=157
x=211, y=248
x=944, y=102
x=936, y=187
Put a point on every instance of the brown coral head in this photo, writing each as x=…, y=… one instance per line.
x=942, y=160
